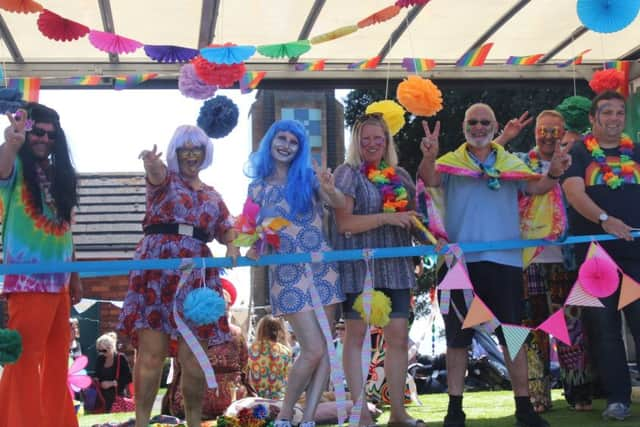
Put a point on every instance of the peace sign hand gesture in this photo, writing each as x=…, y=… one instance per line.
x=15, y=133
x=429, y=144
x=560, y=161
x=515, y=126
x=150, y=157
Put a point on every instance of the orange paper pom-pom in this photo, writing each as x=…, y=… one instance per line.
x=604, y=80
x=419, y=96
x=21, y=6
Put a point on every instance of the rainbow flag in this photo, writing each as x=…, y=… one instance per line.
x=624, y=67
x=89, y=80
x=417, y=65
x=250, y=80
x=28, y=86
x=367, y=64
x=126, y=81
x=310, y=66
x=475, y=57
x=524, y=60
x=575, y=60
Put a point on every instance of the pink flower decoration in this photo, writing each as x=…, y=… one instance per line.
x=77, y=377
x=598, y=276
x=113, y=43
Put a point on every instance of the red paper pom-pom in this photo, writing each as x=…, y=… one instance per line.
x=604, y=80
x=221, y=75
x=58, y=28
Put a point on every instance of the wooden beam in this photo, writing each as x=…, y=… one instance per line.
x=107, y=24
x=10, y=42
x=312, y=17
x=564, y=43
x=208, y=21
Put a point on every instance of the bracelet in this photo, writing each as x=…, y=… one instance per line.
x=553, y=176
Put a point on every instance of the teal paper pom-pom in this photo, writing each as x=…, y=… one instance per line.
x=10, y=346
x=204, y=306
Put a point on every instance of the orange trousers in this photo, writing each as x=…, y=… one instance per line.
x=33, y=391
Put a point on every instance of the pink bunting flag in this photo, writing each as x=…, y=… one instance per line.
x=596, y=250
x=515, y=336
x=629, y=292
x=556, y=325
x=478, y=313
x=456, y=278
x=577, y=296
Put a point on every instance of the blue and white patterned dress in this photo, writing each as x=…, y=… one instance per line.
x=290, y=283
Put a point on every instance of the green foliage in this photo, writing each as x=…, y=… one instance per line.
x=509, y=99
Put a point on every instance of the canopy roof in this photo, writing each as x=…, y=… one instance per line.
x=442, y=30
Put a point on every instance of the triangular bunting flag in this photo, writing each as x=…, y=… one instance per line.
x=629, y=291
x=456, y=278
x=556, y=325
x=596, y=250
x=515, y=336
x=577, y=296
x=478, y=313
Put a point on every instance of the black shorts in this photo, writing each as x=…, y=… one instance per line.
x=500, y=287
x=400, y=299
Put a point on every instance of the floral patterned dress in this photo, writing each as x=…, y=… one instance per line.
x=152, y=293
x=268, y=368
x=290, y=283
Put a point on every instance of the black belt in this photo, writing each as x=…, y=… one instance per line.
x=180, y=229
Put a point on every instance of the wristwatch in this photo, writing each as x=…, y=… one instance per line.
x=603, y=217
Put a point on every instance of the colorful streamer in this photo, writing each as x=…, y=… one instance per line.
x=577, y=60
x=417, y=65
x=28, y=86
x=367, y=64
x=624, y=67
x=475, y=57
x=310, y=66
x=250, y=80
x=90, y=80
x=127, y=81
x=524, y=60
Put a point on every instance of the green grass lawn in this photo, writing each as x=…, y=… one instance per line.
x=483, y=409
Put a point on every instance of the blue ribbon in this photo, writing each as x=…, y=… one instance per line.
x=122, y=267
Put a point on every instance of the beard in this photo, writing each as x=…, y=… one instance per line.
x=479, y=142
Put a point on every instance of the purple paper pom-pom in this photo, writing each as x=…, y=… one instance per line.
x=191, y=86
x=218, y=116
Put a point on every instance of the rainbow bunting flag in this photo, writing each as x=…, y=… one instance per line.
x=250, y=80
x=575, y=60
x=310, y=66
x=126, y=81
x=524, y=60
x=624, y=67
x=475, y=57
x=367, y=64
x=89, y=80
x=417, y=65
x=29, y=86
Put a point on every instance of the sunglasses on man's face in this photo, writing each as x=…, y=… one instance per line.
x=39, y=132
x=483, y=122
x=102, y=350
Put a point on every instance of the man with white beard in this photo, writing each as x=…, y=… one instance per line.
x=480, y=183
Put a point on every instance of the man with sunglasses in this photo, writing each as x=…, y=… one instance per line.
x=480, y=183
x=38, y=191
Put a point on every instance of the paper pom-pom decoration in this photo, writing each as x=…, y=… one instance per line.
x=607, y=16
x=170, y=54
x=58, y=28
x=285, y=50
x=604, y=80
x=222, y=75
x=227, y=53
x=10, y=346
x=380, y=16
x=10, y=100
x=380, y=309
x=598, y=276
x=218, y=116
x=407, y=3
x=392, y=114
x=419, y=96
x=191, y=86
x=575, y=110
x=335, y=34
x=228, y=287
x=21, y=6
x=112, y=43
x=203, y=306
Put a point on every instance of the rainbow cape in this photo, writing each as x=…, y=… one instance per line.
x=541, y=216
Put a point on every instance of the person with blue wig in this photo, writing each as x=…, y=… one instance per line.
x=286, y=185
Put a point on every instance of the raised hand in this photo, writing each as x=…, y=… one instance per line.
x=149, y=157
x=325, y=177
x=429, y=145
x=560, y=161
x=15, y=133
x=515, y=126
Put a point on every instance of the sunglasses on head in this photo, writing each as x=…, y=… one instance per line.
x=483, y=122
x=367, y=116
x=39, y=132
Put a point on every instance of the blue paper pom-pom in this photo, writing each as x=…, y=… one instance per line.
x=10, y=100
x=218, y=116
x=203, y=306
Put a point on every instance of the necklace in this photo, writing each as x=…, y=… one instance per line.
x=625, y=148
x=394, y=196
x=534, y=161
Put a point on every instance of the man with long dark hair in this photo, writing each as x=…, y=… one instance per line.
x=38, y=191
